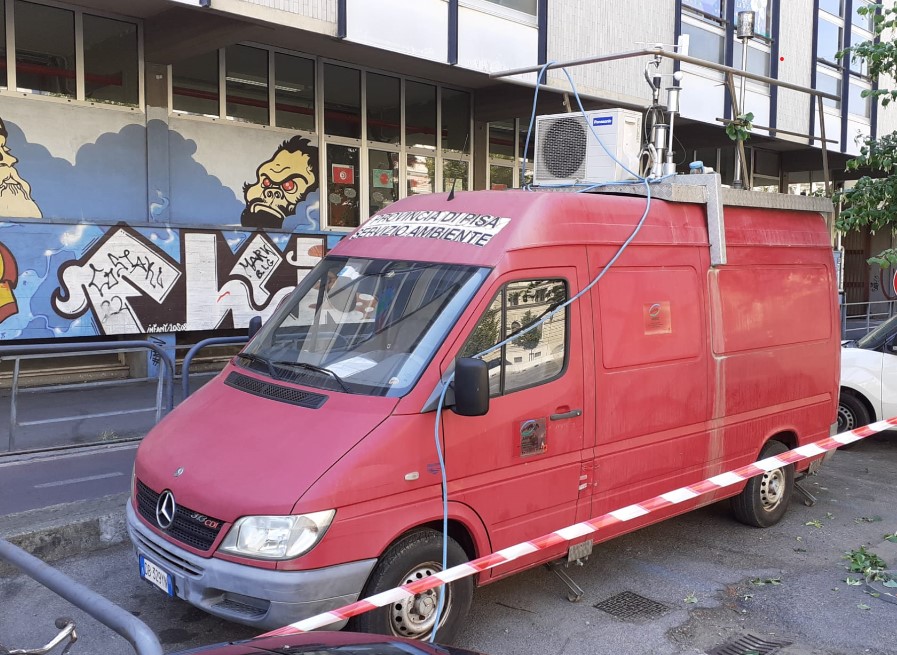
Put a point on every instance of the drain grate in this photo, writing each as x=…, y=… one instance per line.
x=748, y=643
x=632, y=607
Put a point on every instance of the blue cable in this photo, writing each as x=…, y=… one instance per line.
x=441, y=602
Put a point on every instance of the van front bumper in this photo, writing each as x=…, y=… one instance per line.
x=261, y=598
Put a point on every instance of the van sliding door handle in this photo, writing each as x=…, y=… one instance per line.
x=573, y=413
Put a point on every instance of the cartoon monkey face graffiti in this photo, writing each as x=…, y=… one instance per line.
x=15, y=193
x=281, y=183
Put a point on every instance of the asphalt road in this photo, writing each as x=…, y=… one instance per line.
x=715, y=579
x=65, y=477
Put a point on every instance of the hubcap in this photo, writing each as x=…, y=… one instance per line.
x=846, y=420
x=772, y=489
x=415, y=616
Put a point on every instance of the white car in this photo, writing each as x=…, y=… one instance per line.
x=869, y=378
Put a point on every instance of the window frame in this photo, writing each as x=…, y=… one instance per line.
x=80, y=88
x=502, y=291
x=321, y=140
x=516, y=159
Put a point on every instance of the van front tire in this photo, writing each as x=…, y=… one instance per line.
x=766, y=497
x=413, y=557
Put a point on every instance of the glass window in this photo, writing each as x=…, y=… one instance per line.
x=715, y=8
x=421, y=175
x=111, y=69
x=762, y=14
x=455, y=120
x=526, y=6
x=294, y=92
x=454, y=171
x=858, y=66
x=420, y=115
x=384, y=108
x=45, y=49
x=384, y=187
x=535, y=357
x=830, y=83
x=363, y=326
x=757, y=60
x=704, y=44
x=860, y=21
x=194, y=84
x=501, y=177
x=834, y=7
x=857, y=104
x=501, y=140
x=828, y=40
x=342, y=101
x=246, y=83
x=342, y=186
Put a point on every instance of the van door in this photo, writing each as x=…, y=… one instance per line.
x=653, y=406
x=519, y=466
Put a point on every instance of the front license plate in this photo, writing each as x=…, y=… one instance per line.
x=155, y=575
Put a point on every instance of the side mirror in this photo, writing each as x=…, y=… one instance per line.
x=255, y=324
x=471, y=387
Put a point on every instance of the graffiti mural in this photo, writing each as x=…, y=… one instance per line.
x=148, y=236
x=281, y=183
x=15, y=192
x=9, y=276
x=130, y=284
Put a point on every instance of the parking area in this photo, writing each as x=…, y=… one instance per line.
x=691, y=584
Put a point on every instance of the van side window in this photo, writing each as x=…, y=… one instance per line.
x=535, y=357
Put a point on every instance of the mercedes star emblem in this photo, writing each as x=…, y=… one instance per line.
x=165, y=509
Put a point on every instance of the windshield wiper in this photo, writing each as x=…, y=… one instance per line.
x=261, y=360
x=317, y=369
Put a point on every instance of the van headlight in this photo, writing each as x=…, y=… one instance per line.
x=277, y=537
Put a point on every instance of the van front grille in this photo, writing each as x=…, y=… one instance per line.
x=186, y=526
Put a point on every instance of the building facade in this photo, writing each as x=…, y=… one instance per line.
x=172, y=168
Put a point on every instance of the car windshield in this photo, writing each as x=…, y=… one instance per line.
x=365, y=326
x=877, y=337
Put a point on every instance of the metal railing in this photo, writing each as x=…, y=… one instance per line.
x=138, y=634
x=859, y=318
x=164, y=401
x=205, y=343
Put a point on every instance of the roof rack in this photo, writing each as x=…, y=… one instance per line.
x=707, y=189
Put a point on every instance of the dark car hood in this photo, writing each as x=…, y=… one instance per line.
x=338, y=643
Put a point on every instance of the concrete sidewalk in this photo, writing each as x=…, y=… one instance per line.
x=66, y=530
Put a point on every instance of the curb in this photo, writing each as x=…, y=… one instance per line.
x=66, y=530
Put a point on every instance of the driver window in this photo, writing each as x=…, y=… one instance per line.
x=536, y=356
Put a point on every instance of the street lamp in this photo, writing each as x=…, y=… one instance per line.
x=745, y=32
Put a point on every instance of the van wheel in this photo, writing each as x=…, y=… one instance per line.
x=851, y=412
x=413, y=557
x=766, y=497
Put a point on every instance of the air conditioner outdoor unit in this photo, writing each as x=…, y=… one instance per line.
x=566, y=151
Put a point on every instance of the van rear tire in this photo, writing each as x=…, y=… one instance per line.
x=766, y=497
x=414, y=557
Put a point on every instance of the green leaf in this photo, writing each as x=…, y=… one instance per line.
x=891, y=537
x=853, y=582
x=863, y=606
x=816, y=523
x=890, y=583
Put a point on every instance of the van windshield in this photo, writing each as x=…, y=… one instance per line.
x=877, y=337
x=364, y=326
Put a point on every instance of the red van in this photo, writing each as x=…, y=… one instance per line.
x=305, y=475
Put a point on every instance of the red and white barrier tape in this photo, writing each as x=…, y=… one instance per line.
x=511, y=553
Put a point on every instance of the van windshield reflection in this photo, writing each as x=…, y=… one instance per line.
x=364, y=326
